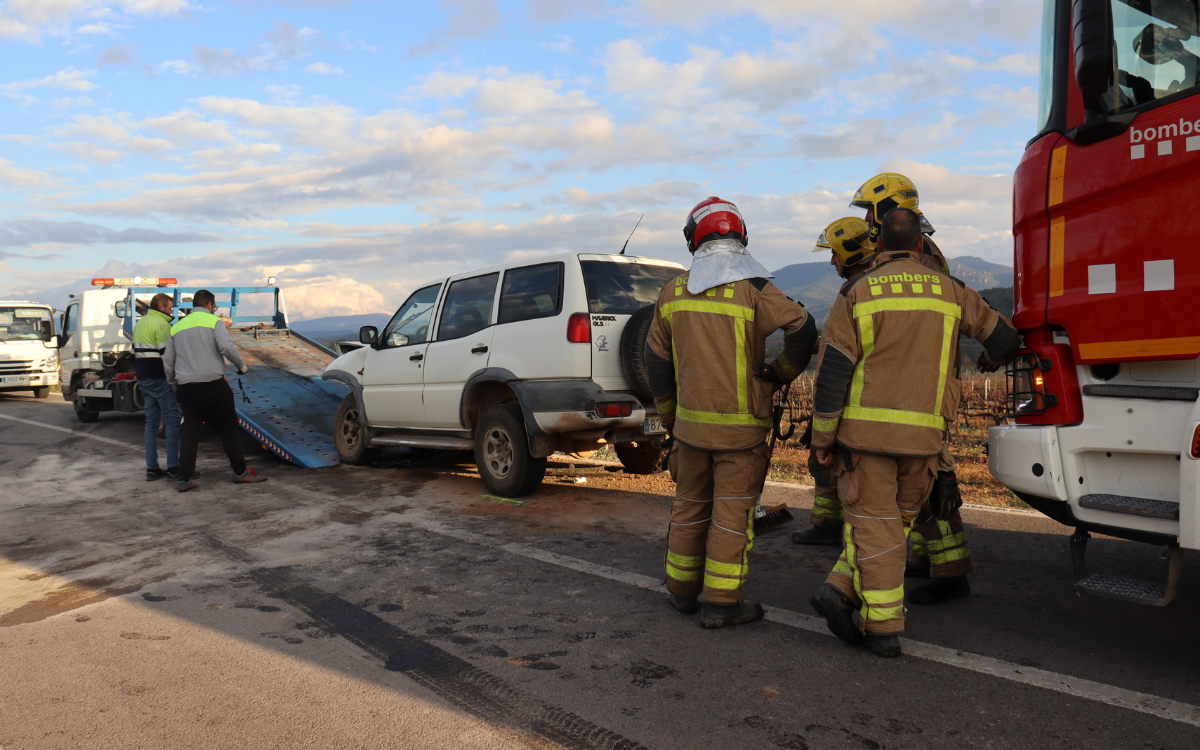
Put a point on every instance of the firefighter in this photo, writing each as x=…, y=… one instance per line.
x=885, y=390
x=851, y=247
x=939, y=549
x=704, y=353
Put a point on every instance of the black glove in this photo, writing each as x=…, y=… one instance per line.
x=945, y=498
x=806, y=438
x=768, y=374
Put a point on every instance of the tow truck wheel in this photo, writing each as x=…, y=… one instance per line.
x=351, y=437
x=502, y=453
x=84, y=410
x=42, y=392
x=641, y=457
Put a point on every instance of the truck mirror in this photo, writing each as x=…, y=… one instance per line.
x=1095, y=58
x=120, y=305
x=53, y=342
x=367, y=335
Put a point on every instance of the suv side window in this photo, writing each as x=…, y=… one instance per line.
x=410, y=324
x=468, y=307
x=531, y=292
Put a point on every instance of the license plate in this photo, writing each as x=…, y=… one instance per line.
x=654, y=426
x=14, y=379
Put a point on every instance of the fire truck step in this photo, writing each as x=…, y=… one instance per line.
x=1133, y=590
x=1133, y=506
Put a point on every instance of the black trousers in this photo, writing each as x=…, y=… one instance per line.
x=210, y=402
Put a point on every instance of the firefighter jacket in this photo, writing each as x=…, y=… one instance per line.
x=931, y=256
x=704, y=352
x=885, y=374
x=149, y=340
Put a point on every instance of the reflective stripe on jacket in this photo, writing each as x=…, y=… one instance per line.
x=885, y=374
x=150, y=337
x=715, y=342
x=197, y=349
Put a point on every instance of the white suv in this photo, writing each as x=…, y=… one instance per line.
x=513, y=362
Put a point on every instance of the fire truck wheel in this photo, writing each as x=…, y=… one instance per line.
x=84, y=410
x=351, y=437
x=502, y=453
x=42, y=392
x=640, y=458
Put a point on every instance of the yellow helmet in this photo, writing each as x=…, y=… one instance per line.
x=850, y=238
x=886, y=191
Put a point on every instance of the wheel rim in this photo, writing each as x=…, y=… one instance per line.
x=351, y=429
x=498, y=452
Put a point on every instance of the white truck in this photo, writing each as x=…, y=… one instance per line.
x=28, y=347
x=514, y=363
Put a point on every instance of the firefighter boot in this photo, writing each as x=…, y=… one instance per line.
x=724, y=615
x=941, y=590
x=684, y=604
x=820, y=533
x=916, y=570
x=886, y=645
x=838, y=612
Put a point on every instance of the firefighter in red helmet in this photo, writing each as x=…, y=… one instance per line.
x=705, y=355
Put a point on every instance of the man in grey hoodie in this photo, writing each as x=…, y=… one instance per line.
x=194, y=361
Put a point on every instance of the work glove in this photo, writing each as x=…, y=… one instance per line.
x=768, y=374
x=945, y=498
x=243, y=370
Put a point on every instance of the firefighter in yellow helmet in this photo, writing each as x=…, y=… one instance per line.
x=704, y=352
x=885, y=391
x=938, y=543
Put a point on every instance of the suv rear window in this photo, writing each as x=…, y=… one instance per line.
x=623, y=288
x=531, y=292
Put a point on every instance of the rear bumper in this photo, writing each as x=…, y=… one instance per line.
x=559, y=407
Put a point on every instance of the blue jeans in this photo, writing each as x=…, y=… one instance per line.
x=160, y=402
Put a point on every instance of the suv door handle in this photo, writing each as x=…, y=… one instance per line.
x=479, y=350
x=416, y=357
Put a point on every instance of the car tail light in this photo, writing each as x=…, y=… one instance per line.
x=1043, y=385
x=579, y=329
x=1196, y=443
x=618, y=409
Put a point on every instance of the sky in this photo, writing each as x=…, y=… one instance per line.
x=357, y=148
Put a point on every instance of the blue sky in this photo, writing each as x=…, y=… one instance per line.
x=357, y=148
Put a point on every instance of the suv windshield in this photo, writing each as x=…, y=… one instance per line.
x=1158, y=47
x=623, y=288
x=25, y=324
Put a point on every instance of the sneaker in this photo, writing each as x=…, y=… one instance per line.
x=941, y=590
x=249, y=476
x=838, y=611
x=886, y=645
x=684, y=604
x=828, y=535
x=174, y=471
x=184, y=486
x=724, y=615
x=155, y=474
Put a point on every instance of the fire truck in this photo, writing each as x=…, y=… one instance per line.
x=1106, y=432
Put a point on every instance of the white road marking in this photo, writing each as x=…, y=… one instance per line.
x=1059, y=683
x=80, y=433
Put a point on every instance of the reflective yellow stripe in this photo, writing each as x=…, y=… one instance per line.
x=884, y=613
x=944, y=361
x=884, y=597
x=949, y=556
x=685, y=560
x=866, y=328
x=730, y=584
x=666, y=407
x=683, y=575
x=704, y=306
x=826, y=502
x=941, y=545
x=918, y=543
x=739, y=333
x=712, y=417
x=826, y=425
x=786, y=366
x=908, y=303
x=894, y=416
x=724, y=569
x=844, y=568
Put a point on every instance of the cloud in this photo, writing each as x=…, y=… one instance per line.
x=68, y=78
x=120, y=54
x=282, y=43
x=29, y=20
x=114, y=130
x=469, y=19
x=554, y=11
x=565, y=45
x=324, y=68
x=15, y=176
x=29, y=232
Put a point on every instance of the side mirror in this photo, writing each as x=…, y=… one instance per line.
x=52, y=343
x=120, y=305
x=1092, y=34
x=367, y=335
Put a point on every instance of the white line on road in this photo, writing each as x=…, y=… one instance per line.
x=80, y=433
x=1060, y=683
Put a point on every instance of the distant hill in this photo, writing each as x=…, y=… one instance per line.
x=341, y=323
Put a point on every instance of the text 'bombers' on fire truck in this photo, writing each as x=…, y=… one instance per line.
x=1104, y=398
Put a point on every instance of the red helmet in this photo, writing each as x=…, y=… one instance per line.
x=713, y=219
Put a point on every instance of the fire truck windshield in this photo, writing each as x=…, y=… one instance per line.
x=1158, y=47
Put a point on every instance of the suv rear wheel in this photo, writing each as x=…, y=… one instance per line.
x=351, y=437
x=641, y=457
x=502, y=452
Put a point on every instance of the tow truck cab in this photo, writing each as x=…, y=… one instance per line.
x=1104, y=398
x=28, y=347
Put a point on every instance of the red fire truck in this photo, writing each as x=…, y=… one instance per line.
x=1107, y=423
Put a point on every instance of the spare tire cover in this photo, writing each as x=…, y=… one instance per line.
x=633, y=352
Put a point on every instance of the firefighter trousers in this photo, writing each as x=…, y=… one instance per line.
x=827, y=506
x=712, y=520
x=882, y=496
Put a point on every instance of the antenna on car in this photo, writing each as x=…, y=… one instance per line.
x=627, y=239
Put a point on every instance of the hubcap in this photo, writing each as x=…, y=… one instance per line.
x=497, y=452
x=351, y=429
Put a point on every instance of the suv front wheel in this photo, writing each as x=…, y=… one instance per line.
x=351, y=437
x=502, y=452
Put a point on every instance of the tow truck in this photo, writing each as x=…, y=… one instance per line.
x=281, y=401
x=1106, y=432
x=28, y=347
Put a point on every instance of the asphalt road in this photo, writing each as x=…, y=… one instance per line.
x=363, y=608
